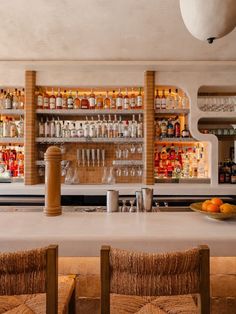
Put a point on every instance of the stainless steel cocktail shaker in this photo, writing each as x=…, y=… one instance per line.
x=147, y=195
x=112, y=201
x=139, y=201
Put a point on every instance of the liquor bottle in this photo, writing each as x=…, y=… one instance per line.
x=99, y=104
x=140, y=127
x=195, y=165
x=73, y=131
x=92, y=128
x=169, y=101
x=64, y=100
x=84, y=102
x=59, y=99
x=177, y=128
x=40, y=100
x=119, y=100
x=126, y=103
x=185, y=132
x=52, y=100
x=163, y=127
x=2, y=100
x=58, y=132
x=80, y=132
x=86, y=128
x=170, y=129
x=163, y=101
x=41, y=128
x=1, y=128
x=113, y=100
x=158, y=129
x=184, y=101
x=15, y=100
x=76, y=101
x=47, y=128
x=186, y=167
x=221, y=173
x=70, y=101
x=6, y=128
x=109, y=127
x=132, y=100
x=126, y=129
x=115, y=128
x=227, y=170
x=140, y=99
x=13, y=128
x=52, y=128
x=104, y=127
x=45, y=100
x=201, y=167
x=120, y=127
x=107, y=101
x=176, y=101
x=22, y=98
x=21, y=127
x=98, y=128
x=233, y=173
x=133, y=131
x=157, y=101
x=92, y=100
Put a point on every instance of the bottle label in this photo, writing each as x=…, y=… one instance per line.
x=52, y=103
x=132, y=103
x=45, y=102
x=40, y=101
x=119, y=102
x=41, y=130
x=70, y=102
x=59, y=102
x=126, y=103
x=158, y=103
x=139, y=101
x=92, y=102
x=163, y=103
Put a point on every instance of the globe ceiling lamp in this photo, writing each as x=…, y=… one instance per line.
x=209, y=19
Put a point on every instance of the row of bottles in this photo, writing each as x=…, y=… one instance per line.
x=227, y=172
x=74, y=100
x=11, y=161
x=12, y=99
x=9, y=127
x=179, y=162
x=168, y=100
x=105, y=128
x=171, y=128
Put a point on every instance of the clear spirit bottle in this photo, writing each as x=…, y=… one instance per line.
x=70, y=101
x=92, y=100
x=52, y=100
x=126, y=102
x=59, y=99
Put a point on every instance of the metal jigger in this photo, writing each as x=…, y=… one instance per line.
x=93, y=156
x=83, y=157
x=78, y=155
x=88, y=156
x=98, y=157
x=103, y=157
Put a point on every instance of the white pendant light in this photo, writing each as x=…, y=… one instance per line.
x=209, y=19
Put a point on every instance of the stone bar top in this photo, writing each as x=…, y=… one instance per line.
x=82, y=234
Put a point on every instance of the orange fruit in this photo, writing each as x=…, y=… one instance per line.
x=226, y=208
x=204, y=204
x=213, y=208
x=217, y=201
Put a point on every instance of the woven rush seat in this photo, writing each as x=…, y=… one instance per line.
x=129, y=304
x=155, y=283
x=36, y=303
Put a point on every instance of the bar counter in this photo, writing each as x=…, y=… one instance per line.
x=18, y=188
x=82, y=234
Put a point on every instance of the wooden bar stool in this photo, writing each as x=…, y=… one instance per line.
x=135, y=282
x=29, y=283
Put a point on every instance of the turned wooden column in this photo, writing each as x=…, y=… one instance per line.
x=52, y=159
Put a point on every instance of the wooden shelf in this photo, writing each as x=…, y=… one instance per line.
x=12, y=140
x=175, y=140
x=87, y=112
x=183, y=180
x=127, y=162
x=12, y=112
x=54, y=140
x=172, y=111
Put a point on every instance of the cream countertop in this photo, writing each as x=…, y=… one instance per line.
x=124, y=189
x=82, y=234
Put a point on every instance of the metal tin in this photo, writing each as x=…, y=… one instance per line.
x=139, y=201
x=147, y=195
x=112, y=201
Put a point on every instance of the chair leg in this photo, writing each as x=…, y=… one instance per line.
x=71, y=308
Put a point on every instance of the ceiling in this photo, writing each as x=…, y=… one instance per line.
x=103, y=30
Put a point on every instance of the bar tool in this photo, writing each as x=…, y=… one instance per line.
x=112, y=201
x=93, y=156
x=139, y=201
x=88, y=156
x=147, y=195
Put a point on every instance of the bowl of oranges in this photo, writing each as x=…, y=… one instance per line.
x=215, y=208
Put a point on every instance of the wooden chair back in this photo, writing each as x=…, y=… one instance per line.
x=145, y=274
x=30, y=272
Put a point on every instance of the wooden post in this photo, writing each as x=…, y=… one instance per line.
x=52, y=280
x=105, y=279
x=149, y=86
x=31, y=175
x=52, y=159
